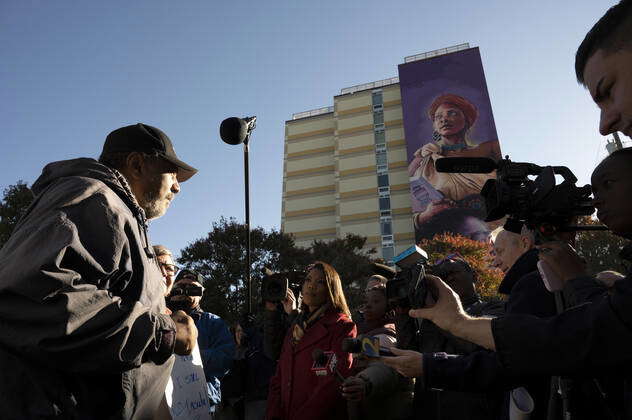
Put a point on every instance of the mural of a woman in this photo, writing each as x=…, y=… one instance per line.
x=452, y=118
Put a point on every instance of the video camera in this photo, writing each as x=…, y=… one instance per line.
x=274, y=286
x=540, y=203
x=187, y=290
x=408, y=288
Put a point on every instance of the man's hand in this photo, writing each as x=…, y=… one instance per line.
x=447, y=311
x=563, y=260
x=186, y=333
x=354, y=389
x=407, y=362
x=289, y=303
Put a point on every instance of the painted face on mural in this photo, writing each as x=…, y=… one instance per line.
x=449, y=120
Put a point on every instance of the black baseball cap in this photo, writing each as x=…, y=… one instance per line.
x=147, y=139
x=193, y=275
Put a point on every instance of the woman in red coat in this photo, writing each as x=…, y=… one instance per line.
x=297, y=391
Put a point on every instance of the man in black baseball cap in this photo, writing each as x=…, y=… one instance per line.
x=84, y=330
x=144, y=138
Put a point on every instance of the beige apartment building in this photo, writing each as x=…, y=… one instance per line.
x=345, y=169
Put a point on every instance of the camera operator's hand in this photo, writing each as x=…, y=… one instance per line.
x=289, y=303
x=563, y=260
x=447, y=311
x=186, y=333
x=407, y=362
x=354, y=388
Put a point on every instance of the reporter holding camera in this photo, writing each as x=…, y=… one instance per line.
x=322, y=322
x=217, y=347
x=416, y=337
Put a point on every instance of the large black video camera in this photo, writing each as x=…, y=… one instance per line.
x=187, y=290
x=540, y=204
x=408, y=288
x=274, y=286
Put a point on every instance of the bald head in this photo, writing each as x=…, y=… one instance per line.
x=508, y=247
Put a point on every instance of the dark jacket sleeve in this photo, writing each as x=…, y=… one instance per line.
x=217, y=357
x=275, y=326
x=530, y=296
x=59, y=290
x=477, y=372
x=583, y=289
x=585, y=339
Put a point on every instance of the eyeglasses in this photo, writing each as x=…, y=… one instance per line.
x=170, y=268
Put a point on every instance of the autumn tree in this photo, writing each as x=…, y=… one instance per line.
x=476, y=253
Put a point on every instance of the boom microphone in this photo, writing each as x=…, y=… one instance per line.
x=464, y=165
x=235, y=130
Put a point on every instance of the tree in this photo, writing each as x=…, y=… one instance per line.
x=15, y=200
x=600, y=249
x=220, y=257
x=476, y=253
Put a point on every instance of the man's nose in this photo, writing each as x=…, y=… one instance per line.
x=608, y=121
x=175, y=187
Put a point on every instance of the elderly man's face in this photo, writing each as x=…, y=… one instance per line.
x=608, y=77
x=507, y=248
x=158, y=187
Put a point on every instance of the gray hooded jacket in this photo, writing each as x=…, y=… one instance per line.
x=83, y=333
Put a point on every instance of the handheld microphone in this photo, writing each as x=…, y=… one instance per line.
x=464, y=165
x=326, y=362
x=368, y=346
x=236, y=130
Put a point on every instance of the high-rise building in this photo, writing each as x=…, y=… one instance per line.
x=346, y=168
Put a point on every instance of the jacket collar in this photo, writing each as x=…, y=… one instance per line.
x=319, y=330
x=523, y=265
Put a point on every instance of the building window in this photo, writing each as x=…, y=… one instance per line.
x=377, y=98
x=388, y=252
x=385, y=213
x=386, y=228
x=382, y=180
x=378, y=117
x=380, y=158
x=385, y=203
x=382, y=169
x=380, y=137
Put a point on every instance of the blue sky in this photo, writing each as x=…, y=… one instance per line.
x=71, y=71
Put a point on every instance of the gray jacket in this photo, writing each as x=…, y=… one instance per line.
x=82, y=327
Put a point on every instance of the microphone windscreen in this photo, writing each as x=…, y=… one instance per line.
x=233, y=130
x=462, y=165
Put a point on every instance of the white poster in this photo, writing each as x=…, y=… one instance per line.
x=186, y=392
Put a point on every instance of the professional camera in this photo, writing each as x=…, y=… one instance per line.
x=408, y=288
x=274, y=286
x=540, y=203
x=187, y=290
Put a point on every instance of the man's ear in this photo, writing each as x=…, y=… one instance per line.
x=135, y=165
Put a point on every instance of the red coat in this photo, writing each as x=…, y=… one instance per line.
x=296, y=392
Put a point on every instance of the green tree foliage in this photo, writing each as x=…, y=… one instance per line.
x=220, y=258
x=15, y=200
x=476, y=253
x=600, y=249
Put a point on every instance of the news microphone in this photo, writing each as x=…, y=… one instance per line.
x=326, y=361
x=464, y=165
x=368, y=346
x=236, y=130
